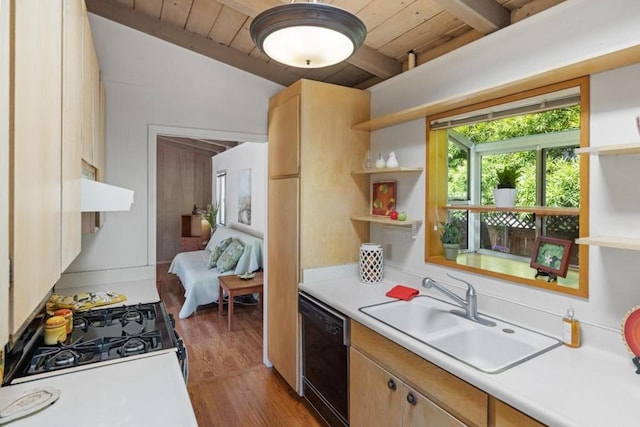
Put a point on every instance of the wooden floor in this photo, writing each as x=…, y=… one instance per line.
x=228, y=383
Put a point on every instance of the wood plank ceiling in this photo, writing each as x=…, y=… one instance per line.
x=211, y=147
x=220, y=29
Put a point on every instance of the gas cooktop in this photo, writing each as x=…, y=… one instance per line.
x=106, y=335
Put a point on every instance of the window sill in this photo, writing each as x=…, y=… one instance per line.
x=538, y=210
x=508, y=269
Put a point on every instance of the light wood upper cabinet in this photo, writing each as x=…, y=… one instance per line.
x=99, y=154
x=72, y=19
x=48, y=40
x=91, y=96
x=35, y=212
x=312, y=193
x=284, y=126
x=93, y=119
x=6, y=67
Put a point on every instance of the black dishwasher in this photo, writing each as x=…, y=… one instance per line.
x=325, y=360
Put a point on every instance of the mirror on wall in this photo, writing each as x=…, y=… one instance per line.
x=527, y=141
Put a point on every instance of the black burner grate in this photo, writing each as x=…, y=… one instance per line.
x=99, y=335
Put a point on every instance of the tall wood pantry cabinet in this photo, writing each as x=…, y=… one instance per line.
x=312, y=195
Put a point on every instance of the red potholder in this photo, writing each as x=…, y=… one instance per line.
x=402, y=292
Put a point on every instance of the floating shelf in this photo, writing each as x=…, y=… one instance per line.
x=538, y=210
x=414, y=224
x=611, y=150
x=611, y=242
x=386, y=170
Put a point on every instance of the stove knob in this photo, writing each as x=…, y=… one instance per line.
x=182, y=351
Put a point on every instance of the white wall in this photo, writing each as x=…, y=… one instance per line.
x=568, y=33
x=151, y=84
x=250, y=155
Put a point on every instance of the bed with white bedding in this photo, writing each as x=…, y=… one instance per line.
x=200, y=282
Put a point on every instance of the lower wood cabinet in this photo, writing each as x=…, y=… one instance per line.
x=503, y=415
x=192, y=237
x=391, y=386
x=378, y=397
x=444, y=398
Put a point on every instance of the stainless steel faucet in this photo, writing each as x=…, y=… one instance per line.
x=470, y=305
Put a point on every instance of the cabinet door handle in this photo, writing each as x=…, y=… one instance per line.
x=392, y=384
x=411, y=399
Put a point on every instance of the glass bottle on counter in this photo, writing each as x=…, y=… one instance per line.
x=570, y=330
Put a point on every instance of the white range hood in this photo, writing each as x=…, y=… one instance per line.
x=100, y=197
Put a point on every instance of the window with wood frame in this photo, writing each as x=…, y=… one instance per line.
x=221, y=196
x=538, y=131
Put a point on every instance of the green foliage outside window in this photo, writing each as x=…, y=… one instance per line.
x=562, y=165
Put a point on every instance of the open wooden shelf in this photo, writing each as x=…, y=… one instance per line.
x=538, y=210
x=408, y=223
x=611, y=150
x=386, y=170
x=611, y=242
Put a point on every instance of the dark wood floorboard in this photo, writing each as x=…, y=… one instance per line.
x=228, y=383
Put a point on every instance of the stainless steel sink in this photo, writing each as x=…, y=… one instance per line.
x=490, y=349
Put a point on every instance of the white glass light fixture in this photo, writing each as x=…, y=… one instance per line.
x=307, y=35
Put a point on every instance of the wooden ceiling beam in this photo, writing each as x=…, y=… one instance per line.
x=449, y=46
x=112, y=10
x=372, y=61
x=194, y=143
x=485, y=16
x=224, y=144
x=532, y=8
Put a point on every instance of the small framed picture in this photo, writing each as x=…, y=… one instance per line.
x=383, y=198
x=550, y=257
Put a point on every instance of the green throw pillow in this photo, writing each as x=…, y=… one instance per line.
x=217, y=251
x=230, y=256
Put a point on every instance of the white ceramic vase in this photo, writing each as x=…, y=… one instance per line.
x=392, y=162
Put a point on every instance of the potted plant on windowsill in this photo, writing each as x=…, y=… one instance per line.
x=451, y=237
x=505, y=193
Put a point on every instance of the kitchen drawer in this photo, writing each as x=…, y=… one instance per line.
x=190, y=244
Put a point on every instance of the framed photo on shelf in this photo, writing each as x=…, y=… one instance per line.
x=383, y=198
x=550, y=257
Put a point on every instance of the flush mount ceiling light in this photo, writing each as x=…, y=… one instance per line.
x=307, y=35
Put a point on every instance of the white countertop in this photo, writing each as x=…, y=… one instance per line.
x=145, y=391
x=141, y=392
x=563, y=387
